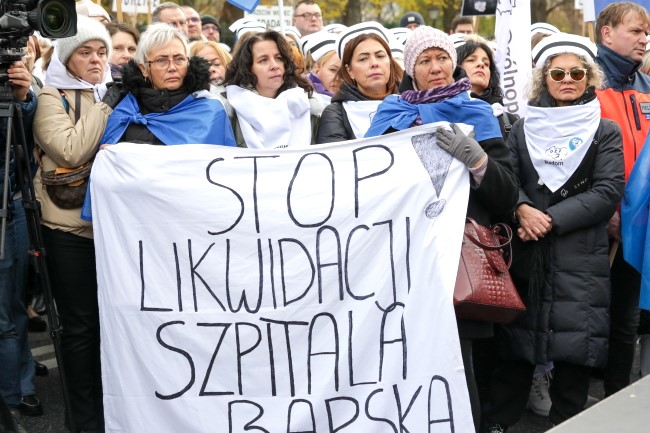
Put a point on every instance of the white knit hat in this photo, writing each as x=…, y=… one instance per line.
x=91, y=9
x=359, y=29
x=423, y=38
x=87, y=30
x=562, y=43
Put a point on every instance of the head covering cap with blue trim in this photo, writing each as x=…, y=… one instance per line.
x=359, y=29
x=245, y=25
x=543, y=28
x=335, y=28
x=318, y=44
x=563, y=43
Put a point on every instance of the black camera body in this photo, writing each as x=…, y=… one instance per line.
x=18, y=20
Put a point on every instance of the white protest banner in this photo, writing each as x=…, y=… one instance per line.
x=512, y=32
x=136, y=6
x=270, y=15
x=281, y=291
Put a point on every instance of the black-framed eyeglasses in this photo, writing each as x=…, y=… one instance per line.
x=576, y=74
x=309, y=16
x=164, y=62
x=194, y=19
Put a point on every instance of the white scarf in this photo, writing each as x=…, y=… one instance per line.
x=268, y=123
x=58, y=77
x=360, y=114
x=558, y=139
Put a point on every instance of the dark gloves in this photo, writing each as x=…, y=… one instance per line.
x=115, y=93
x=462, y=147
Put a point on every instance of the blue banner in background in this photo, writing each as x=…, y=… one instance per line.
x=599, y=5
x=246, y=5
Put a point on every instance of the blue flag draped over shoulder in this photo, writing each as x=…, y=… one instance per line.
x=195, y=120
x=396, y=113
x=175, y=126
x=634, y=221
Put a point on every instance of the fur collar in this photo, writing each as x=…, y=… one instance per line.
x=197, y=78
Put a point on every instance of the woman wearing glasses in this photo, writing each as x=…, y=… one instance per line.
x=569, y=164
x=170, y=91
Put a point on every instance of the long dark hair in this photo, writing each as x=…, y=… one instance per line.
x=395, y=71
x=467, y=49
x=239, y=71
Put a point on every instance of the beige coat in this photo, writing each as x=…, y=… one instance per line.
x=66, y=144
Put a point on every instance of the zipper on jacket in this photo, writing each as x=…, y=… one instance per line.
x=637, y=120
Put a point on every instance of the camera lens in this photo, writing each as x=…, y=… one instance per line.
x=54, y=18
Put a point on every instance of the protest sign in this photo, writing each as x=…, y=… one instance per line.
x=136, y=6
x=286, y=290
x=513, y=54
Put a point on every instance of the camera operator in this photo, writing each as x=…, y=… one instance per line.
x=17, y=365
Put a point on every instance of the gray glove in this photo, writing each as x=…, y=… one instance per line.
x=462, y=147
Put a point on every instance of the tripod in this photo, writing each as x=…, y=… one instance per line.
x=12, y=115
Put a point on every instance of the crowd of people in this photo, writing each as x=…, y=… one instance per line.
x=556, y=176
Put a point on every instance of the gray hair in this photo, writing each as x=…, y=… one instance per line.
x=155, y=15
x=595, y=77
x=157, y=35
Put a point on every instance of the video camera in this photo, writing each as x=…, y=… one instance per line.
x=19, y=18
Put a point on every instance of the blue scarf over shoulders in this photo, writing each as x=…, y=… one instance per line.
x=193, y=120
x=175, y=126
x=394, y=112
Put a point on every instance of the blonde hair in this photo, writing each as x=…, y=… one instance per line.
x=595, y=77
x=222, y=54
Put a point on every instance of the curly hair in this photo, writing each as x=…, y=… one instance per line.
x=468, y=48
x=396, y=72
x=595, y=77
x=239, y=71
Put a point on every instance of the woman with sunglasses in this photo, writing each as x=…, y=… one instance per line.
x=569, y=164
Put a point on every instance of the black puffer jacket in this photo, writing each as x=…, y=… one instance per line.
x=152, y=100
x=334, y=124
x=571, y=321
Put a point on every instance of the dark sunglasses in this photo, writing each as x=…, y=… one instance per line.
x=576, y=74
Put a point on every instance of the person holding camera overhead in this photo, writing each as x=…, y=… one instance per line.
x=68, y=124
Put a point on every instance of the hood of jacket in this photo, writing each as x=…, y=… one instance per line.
x=197, y=78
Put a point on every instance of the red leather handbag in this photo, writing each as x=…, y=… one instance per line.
x=484, y=289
